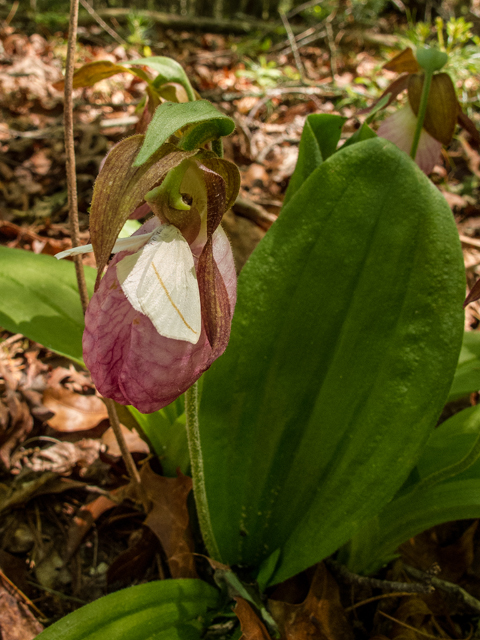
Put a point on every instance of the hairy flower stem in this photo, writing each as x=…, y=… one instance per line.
x=196, y=461
x=421, y=112
x=70, y=152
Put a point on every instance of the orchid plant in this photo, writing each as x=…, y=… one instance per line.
x=428, y=120
x=315, y=428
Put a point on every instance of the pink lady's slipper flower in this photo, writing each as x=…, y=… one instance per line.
x=439, y=114
x=162, y=313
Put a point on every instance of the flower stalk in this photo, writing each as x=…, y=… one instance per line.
x=427, y=83
x=198, y=475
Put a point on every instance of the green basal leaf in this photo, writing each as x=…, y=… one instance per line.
x=319, y=140
x=467, y=375
x=343, y=346
x=168, y=437
x=161, y=610
x=170, y=117
x=362, y=134
x=455, y=497
x=168, y=71
x=376, y=543
x=40, y=300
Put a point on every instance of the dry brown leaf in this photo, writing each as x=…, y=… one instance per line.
x=252, y=627
x=135, y=444
x=169, y=519
x=61, y=457
x=412, y=616
x=73, y=411
x=131, y=565
x=16, y=621
x=20, y=420
x=320, y=617
x=403, y=62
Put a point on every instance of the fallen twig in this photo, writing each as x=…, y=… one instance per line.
x=342, y=572
x=102, y=23
x=293, y=44
x=254, y=212
x=460, y=594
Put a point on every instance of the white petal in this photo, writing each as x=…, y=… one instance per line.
x=168, y=291
x=161, y=282
x=131, y=243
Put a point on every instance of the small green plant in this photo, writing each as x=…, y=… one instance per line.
x=264, y=73
x=139, y=28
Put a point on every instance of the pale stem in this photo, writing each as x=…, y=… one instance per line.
x=198, y=475
x=70, y=152
x=421, y=112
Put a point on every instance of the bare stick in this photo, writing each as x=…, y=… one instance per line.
x=102, y=23
x=332, y=47
x=12, y=13
x=347, y=576
x=293, y=44
x=70, y=152
x=448, y=587
x=74, y=228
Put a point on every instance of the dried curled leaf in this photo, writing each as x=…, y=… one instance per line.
x=93, y=72
x=403, y=62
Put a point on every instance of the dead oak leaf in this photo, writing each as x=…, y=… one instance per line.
x=252, y=627
x=73, y=411
x=321, y=615
x=16, y=621
x=169, y=519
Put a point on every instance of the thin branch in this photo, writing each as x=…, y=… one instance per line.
x=70, y=152
x=302, y=7
x=448, y=587
x=11, y=13
x=293, y=44
x=347, y=576
x=332, y=46
x=102, y=23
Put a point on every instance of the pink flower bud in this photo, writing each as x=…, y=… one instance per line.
x=129, y=360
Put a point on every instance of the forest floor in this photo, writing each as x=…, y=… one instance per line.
x=68, y=534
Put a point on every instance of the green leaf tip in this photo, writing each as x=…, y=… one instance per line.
x=170, y=117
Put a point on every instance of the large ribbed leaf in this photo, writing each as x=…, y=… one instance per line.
x=344, y=342
x=166, y=610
